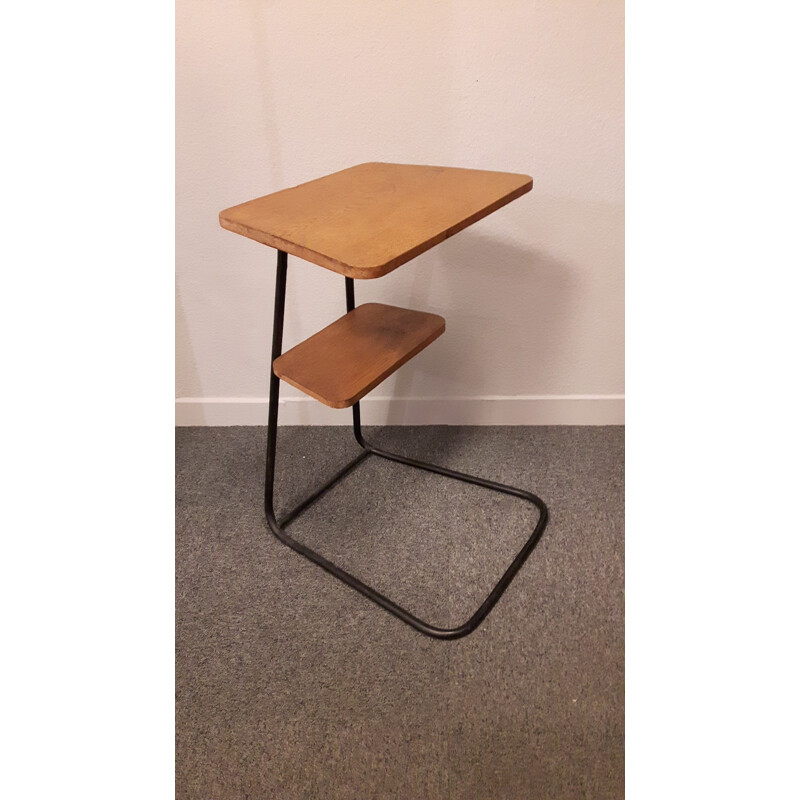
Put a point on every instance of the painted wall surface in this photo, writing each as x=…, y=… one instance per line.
x=271, y=94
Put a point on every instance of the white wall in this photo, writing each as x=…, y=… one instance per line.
x=274, y=93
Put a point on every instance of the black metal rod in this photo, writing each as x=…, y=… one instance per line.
x=298, y=510
x=274, y=380
x=461, y=476
x=357, y=427
x=515, y=565
x=277, y=528
x=350, y=299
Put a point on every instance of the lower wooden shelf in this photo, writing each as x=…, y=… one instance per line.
x=349, y=358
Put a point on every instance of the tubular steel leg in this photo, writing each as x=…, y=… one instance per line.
x=367, y=450
x=350, y=297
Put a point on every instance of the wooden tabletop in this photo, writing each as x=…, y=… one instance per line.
x=365, y=221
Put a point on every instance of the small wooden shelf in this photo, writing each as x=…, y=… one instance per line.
x=349, y=358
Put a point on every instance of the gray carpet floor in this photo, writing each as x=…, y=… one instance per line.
x=292, y=685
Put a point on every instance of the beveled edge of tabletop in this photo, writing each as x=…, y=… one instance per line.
x=367, y=271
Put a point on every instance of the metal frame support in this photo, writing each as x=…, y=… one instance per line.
x=367, y=450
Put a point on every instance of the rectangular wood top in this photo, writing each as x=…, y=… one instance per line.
x=350, y=357
x=367, y=220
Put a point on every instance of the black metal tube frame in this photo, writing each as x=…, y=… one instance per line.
x=278, y=528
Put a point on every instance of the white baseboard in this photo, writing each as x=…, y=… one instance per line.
x=489, y=410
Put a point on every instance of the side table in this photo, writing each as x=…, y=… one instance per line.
x=364, y=222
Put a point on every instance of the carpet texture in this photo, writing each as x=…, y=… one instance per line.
x=292, y=685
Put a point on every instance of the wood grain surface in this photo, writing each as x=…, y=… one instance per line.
x=367, y=220
x=350, y=357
